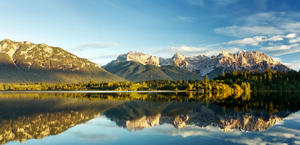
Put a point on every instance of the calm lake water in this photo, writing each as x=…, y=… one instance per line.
x=130, y=118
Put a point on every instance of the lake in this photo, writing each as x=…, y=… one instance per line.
x=135, y=118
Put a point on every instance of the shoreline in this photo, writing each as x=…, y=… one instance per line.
x=95, y=91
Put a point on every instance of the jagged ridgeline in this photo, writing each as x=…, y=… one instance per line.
x=138, y=66
x=28, y=62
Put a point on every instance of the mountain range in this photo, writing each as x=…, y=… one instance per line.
x=26, y=61
x=200, y=65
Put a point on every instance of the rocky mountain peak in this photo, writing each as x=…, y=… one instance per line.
x=179, y=55
x=27, y=42
x=179, y=60
x=247, y=58
x=224, y=53
x=139, y=57
x=228, y=62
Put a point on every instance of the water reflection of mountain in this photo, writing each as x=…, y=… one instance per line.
x=256, y=113
x=139, y=115
x=34, y=116
x=23, y=118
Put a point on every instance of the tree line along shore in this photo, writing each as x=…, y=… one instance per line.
x=230, y=83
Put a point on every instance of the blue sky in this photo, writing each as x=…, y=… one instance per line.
x=102, y=29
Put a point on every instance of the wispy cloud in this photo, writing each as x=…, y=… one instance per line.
x=295, y=65
x=286, y=52
x=294, y=40
x=280, y=47
x=99, y=45
x=185, y=48
x=275, y=38
x=258, y=39
x=104, y=56
x=291, y=35
x=274, y=32
x=244, y=31
x=206, y=50
x=203, y=3
x=269, y=23
x=248, y=41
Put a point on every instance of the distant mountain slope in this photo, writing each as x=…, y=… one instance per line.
x=135, y=71
x=211, y=66
x=25, y=61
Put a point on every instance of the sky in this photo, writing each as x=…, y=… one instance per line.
x=100, y=30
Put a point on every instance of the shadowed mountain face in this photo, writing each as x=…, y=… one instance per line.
x=134, y=71
x=25, y=61
x=34, y=116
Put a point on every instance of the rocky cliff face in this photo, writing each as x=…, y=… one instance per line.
x=137, y=66
x=21, y=58
x=139, y=57
x=214, y=65
x=228, y=62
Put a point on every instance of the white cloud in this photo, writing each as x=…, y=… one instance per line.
x=244, y=31
x=277, y=59
x=185, y=48
x=292, y=27
x=296, y=66
x=248, y=41
x=285, y=52
x=280, y=47
x=275, y=38
x=254, y=41
x=291, y=35
x=207, y=50
x=256, y=141
x=99, y=45
x=294, y=40
x=269, y=23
